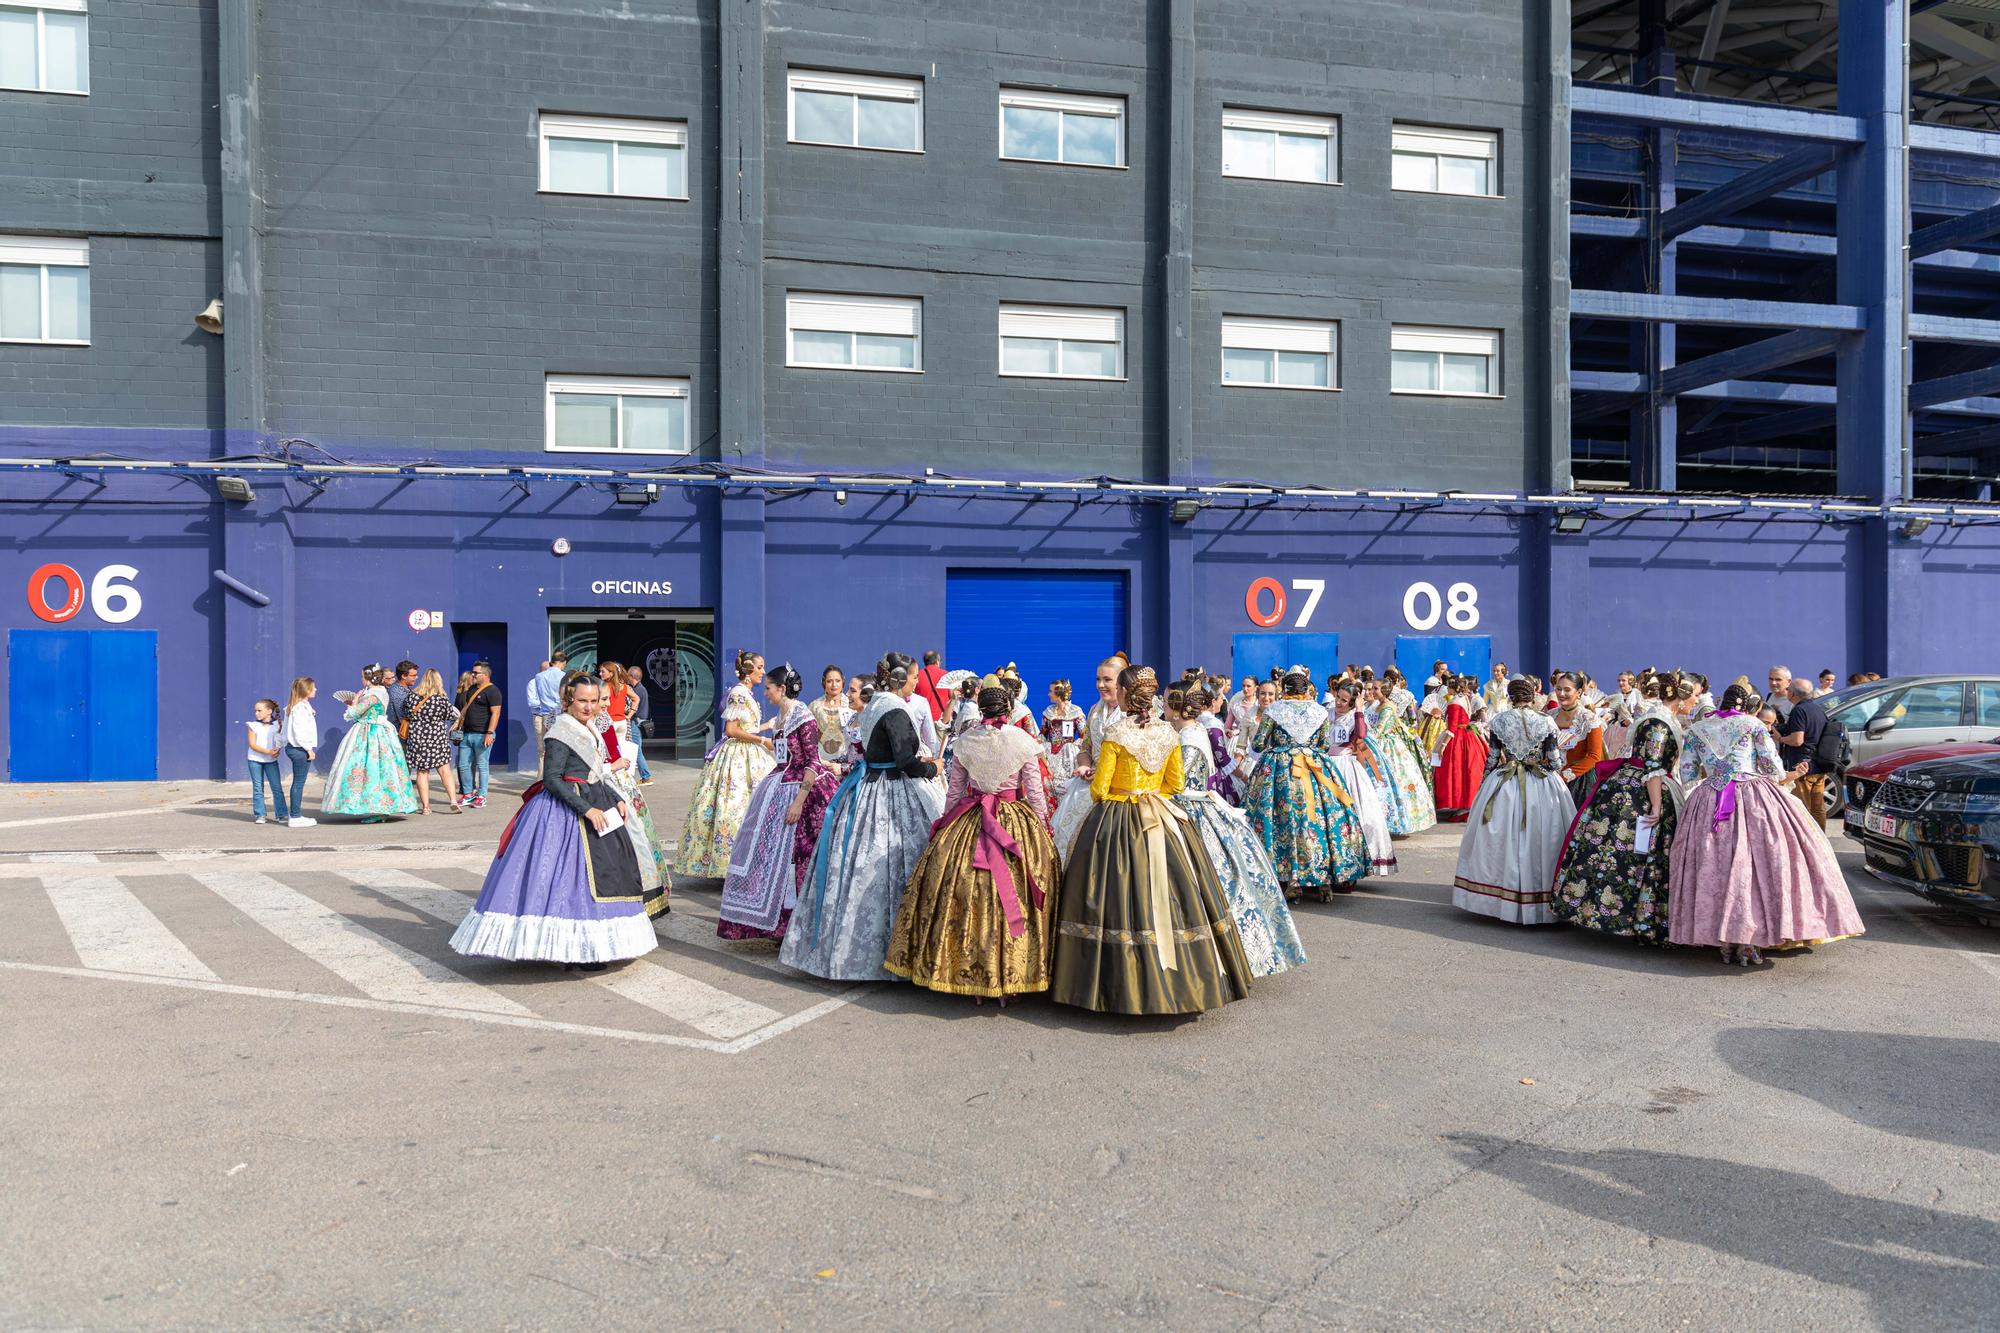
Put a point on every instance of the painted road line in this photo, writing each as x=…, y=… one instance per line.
x=684, y=927
x=377, y=967
x=78, y=819
x=63, y=858
x=708, y=1010
x=115, y=932
x=744, y=1043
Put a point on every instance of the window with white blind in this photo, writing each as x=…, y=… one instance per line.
x=1280, y=146
x=592, y=414
x=44, y=290
x=1062, y=342
x=45, y=46
x=832, y=332
x=1259, y=353
x=1432, y=160
x=639, y=159
x=1068, y=128
x=1461, y=362
x=855, y=111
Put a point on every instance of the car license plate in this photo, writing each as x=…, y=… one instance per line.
x=1879, y=824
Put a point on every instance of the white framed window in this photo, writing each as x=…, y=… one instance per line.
x=1459, y=362
x=1062, y=342
x=44, y=290
x=593, y=414
x=1259, y=353
x=639, y=159
x=45, y=46
x=855, y=111
x=1432, y=160
x=832, y=332
x=1074, y=130
x=1280, y=146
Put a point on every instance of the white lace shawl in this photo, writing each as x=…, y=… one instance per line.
x=1149, y=745
x=992, y=756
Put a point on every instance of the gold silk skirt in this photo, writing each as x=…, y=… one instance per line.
x=951, y=929
x=1137, y=874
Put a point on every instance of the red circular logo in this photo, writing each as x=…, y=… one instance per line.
x=1250, y=599
x=38, y=593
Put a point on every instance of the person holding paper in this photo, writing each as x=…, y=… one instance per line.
x=565, y=886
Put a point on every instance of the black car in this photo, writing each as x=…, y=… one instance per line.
x=1934, y=829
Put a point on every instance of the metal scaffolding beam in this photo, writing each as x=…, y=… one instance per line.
x=1752, y=359
x=1773, y=177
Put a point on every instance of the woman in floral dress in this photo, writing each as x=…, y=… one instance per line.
x=1407, y=779
x=775, y=845
x=1355, y=765
x=1518, y=820
x=427, y=746
x=1256, y=899
x=1748, y=871
x=369, y=777
x=1303, y=815
x=1603, y=880
x=722, y=796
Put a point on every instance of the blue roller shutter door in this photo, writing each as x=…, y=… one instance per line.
x=1052, y=625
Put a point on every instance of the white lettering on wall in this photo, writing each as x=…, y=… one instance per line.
x=633, y=587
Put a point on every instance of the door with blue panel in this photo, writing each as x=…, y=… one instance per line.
x=482, y=640
x=1053, y=625
x=1258, y=654
x=1465, y=654
x=83, y=705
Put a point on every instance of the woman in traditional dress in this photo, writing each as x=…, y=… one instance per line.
x=1748, y=872
x=655, y=879
x=1613, y=873
x=369, y=777
x=877, y=825
x=1223, y=780
x=1580, y=731
x=1143, y=924
x=1407, y=779
x=782, y=827
x=1432, y=726
x=1243, y=745
x=1508, y=856
x=1062, y=731
x=1249, y=881
x=722, y=795
x=830, y=713
x=564, y=886
x=1076, y=800
x=1460, y=764
x=1302, y=814
x=1356, y=767
x=975, y=918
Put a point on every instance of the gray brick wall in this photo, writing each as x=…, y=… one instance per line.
x=419, y=287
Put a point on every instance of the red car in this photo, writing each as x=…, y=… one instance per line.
x=1864, y=780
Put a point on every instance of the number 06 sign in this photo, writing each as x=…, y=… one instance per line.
x=1264, y=601
x=112, y=595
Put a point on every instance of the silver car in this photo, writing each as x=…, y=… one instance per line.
x=1902, y=711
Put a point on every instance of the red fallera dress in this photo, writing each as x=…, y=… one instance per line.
x=1463, y=765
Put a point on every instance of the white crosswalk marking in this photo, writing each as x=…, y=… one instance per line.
x=115, y=932
x=705, y=1008
x=377, y=967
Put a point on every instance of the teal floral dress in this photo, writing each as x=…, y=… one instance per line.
x=1305, y=818
x=1601, y=883
x=369, y=775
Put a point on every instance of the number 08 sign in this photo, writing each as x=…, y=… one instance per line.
x=1265, y=602
x=112, y=596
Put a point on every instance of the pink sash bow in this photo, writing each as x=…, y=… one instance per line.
x=990, y=854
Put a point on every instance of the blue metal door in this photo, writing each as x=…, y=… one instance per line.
x=83, y=705
x=1051, y=625
x=1256, y=655
x=477, y=640
x=1466, y=654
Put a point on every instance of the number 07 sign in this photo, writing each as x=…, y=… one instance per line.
x=1265, y=602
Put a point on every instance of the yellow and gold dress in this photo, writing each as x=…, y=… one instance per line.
x=1143, y=924
x=975, y=918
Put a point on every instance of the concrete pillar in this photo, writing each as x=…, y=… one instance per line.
x=1656, y=418
x=740, y=374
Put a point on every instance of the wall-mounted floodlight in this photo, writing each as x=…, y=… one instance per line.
x=235, y=488
x=1569, y=522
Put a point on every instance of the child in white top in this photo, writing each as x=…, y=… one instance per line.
x=262, y=736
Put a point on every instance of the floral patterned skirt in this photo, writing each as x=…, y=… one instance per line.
x=1601, y=883
x=1256, y=899
x=369, y=775
x=1405, y=785
x=716, y=810
x=1310, y=829
x=1765, y=876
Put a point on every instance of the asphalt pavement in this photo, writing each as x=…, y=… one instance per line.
x=249, y=1086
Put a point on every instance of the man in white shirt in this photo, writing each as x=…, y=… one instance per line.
x=545, y=695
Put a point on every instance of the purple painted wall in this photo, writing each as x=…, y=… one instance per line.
x=816, y=581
